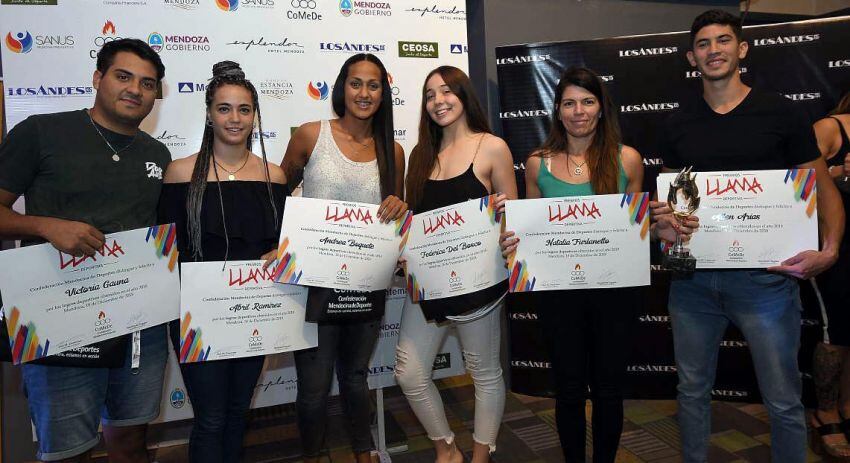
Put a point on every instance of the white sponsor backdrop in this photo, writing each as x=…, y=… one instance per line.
x=284, y=46
x=290, y=49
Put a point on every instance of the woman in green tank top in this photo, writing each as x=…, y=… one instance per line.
x=586, y=331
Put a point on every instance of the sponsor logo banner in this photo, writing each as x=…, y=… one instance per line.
x=418, y=50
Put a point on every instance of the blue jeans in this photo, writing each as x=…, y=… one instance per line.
x=221, y=393
x=766, y=308
x=67, y=404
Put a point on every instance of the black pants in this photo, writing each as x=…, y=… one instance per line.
x=349, y=346
x=220, y=392
x=588, y=336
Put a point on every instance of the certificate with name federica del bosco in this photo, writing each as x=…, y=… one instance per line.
x=454, y=250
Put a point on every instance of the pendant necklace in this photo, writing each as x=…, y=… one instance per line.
x=115, y=152
x=232, y=173
x=578, y=167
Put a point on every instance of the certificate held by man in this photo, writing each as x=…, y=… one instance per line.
x=54, y=302
x=239, y=311
x=579, y=242
x=338, y=244
x=454, y=250
x=752, y=219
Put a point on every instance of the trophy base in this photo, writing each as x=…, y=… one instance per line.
x=681, y=264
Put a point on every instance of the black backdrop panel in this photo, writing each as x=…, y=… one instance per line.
x=648, y=76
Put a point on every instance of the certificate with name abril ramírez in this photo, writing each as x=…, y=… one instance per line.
x=338, y=244
x=54, y=302
x=579, y=242
x=239, y=311
x=752, y=219
x=454, y=250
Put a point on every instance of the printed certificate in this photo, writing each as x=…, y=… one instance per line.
x=54, y=302
x=579, y=242
x=338, y=244
x=752, y=219
x=239, y=311
x=454, y=250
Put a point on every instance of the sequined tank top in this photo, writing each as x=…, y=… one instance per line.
x=330, y=175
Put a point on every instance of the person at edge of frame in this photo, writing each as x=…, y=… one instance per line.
x=734, y=127
x=86, y=173
x=831, y=364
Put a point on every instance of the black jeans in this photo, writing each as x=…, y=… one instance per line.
x=220, y=392
x=349, y=346
x=588, y=338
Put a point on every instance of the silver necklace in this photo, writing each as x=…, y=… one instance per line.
x=115, y=152
x=578, y=167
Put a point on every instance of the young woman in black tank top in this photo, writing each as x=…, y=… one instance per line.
x=456, y=159
x=831, y=366
x=227, y=204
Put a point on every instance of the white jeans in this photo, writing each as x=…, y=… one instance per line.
x=419, y=341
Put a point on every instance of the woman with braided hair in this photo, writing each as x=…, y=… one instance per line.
x=227, y=203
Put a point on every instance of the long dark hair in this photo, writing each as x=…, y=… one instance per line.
x=423, y=158
x=843, y=106
x=224, y=73
x=382, y=120
x=603, y=153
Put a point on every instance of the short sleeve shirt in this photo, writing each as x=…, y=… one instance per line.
x=64, y=169
x=763, y=132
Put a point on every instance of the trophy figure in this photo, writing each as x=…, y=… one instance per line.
x=683, y=199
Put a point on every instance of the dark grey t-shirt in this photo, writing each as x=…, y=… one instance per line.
x=65, y=169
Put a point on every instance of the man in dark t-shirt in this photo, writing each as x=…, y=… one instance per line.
x=85, y=173
x=734, y=127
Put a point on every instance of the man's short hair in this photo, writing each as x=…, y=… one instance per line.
x=720, y=17
x=106, y=55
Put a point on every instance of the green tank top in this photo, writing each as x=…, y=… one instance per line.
x=553, y=187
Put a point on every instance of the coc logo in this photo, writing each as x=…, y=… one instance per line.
x=397, y=101
x=577, y=275
x=255, y=341
x=455, y=281
x=227, y=5
x=343, y=275
x=103, y=324
x=21, y=42
x=318, y=90
x=736, y=251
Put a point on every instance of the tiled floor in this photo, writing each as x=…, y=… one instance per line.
x=650, y=434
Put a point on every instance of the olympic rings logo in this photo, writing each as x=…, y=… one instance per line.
x=309, y=4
